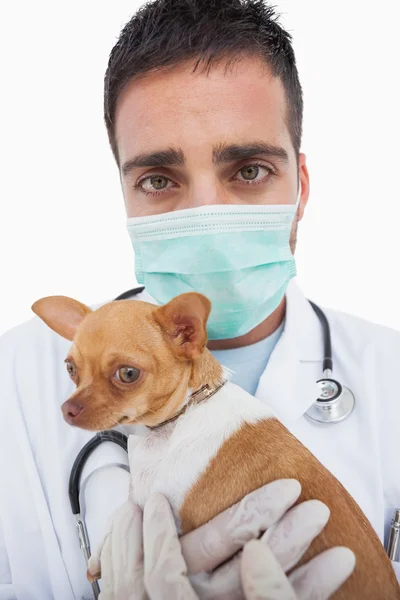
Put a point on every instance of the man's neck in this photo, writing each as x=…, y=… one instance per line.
x=262, y=331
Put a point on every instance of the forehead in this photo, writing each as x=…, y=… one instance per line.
x=117, y=327
x=176, y=107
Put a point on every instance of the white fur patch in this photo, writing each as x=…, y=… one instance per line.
x=170, y=460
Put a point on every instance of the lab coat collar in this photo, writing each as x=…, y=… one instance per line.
x=288, y=383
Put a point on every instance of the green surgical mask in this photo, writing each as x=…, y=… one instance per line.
x=236, y=255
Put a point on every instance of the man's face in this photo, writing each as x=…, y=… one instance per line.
x=206, y=134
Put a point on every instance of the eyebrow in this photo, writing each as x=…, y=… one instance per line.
x=223, y=153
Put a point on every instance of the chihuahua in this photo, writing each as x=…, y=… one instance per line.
x=209, y=443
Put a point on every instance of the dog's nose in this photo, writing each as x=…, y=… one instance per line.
x=71, y=410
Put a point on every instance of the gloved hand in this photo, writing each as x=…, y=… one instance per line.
x=142, y=557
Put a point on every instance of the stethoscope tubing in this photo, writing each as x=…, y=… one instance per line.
x=76, y=472
x=327, y=364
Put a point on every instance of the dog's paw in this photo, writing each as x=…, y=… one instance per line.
x=93, y=576
x=94, y=570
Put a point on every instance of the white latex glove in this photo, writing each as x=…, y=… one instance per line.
x=253, y=575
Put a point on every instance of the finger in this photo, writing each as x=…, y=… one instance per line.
x=289, y=539
x=127, y=542
x=254, y=574
x=122, y=554
x=307, y=582
x=324, y=574
x=262, y=576
x=292, y=535
x=222, y=584
x=107, y=578
x=165, y=569
x=234, y=579
x=94, y=565
x=211, y=544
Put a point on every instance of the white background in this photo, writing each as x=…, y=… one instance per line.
x=62, y=221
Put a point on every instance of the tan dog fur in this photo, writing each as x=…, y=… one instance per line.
x=168, y=346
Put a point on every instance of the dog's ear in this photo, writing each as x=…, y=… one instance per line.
x=61, y=314
x=184, y=321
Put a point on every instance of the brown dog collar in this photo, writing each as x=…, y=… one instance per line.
x=204, y=393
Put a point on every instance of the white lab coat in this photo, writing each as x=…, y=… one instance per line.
x=40, y=557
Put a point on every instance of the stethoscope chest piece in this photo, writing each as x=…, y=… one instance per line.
x=334, y=404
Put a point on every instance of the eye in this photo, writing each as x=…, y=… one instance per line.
x=156, y=184
x=127, y=374
x=70, y=368
x=252, y=171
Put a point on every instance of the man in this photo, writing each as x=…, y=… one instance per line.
x=227, y=133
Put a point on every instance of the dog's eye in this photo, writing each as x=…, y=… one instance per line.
x=70, y=368
x=127, y=374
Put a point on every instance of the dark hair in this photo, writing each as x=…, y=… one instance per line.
x=164, y=33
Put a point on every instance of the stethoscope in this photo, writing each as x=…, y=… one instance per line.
x=334, y=404
x=335, y=401
x=75, y=489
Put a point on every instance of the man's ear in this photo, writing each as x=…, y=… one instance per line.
x=184, y=321
x=61, y=314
